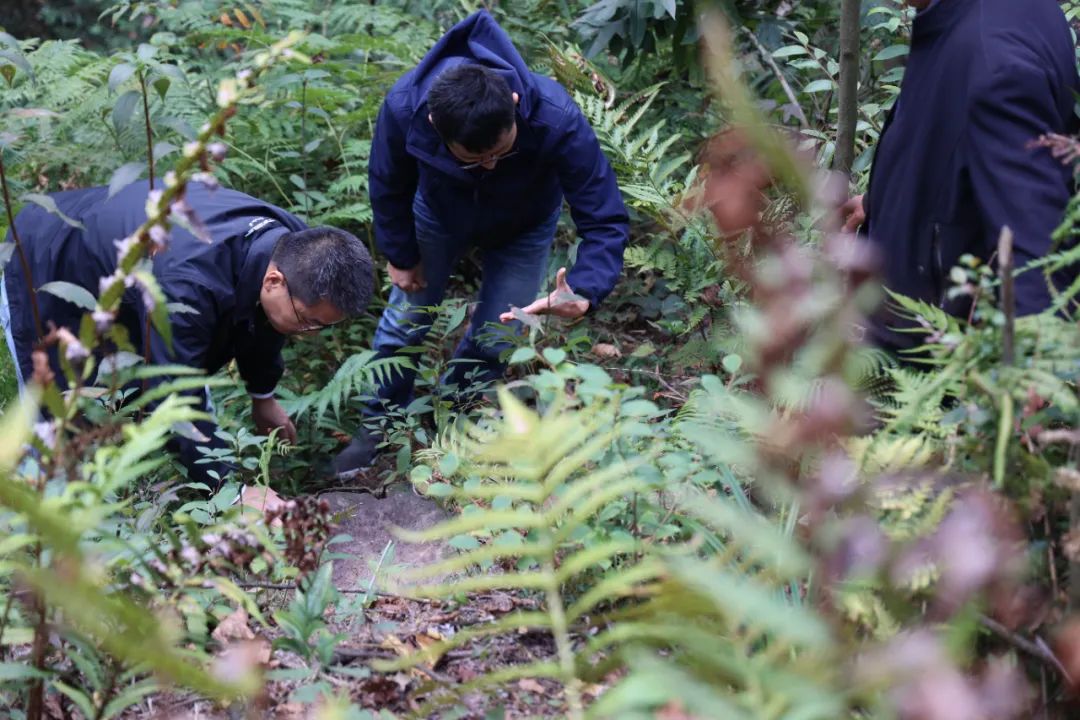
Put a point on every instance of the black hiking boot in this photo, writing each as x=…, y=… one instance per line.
x=357, y=456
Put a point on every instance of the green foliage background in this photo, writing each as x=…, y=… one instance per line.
x=623, y=482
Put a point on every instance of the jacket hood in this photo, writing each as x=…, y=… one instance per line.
x=476, y=39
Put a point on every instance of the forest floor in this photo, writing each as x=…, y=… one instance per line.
x=384, y=626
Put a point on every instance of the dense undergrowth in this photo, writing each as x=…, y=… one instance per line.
x=707, y=497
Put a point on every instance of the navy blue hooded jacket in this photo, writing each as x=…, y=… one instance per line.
x=955, y=163
x=557, y=154
x=220, y=280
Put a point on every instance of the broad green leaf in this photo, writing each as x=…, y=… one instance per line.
x=146, y=52
x=71, y=292
x=170, y=71
x=456, y=318
x=522, y=355
x=891, y=52
x=50, y=207
x=789, y=51
x=119, y=75
x=555, y=356
x=162, y=149
x=161, y=85
x=123, y=109
x=124, y=176
x=817, y=86
x=21, y=671
x=18, y=60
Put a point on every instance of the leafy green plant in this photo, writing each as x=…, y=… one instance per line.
x=531, y=495
x=303, y=621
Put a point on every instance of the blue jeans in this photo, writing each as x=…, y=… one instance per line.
x=512, y=276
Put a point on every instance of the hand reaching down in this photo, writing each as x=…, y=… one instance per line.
x=561, y=302
x=269, y=415
x=410, y=280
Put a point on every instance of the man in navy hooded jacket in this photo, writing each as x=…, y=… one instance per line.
x=473, y=149
x=263, y=275
x=956, y=163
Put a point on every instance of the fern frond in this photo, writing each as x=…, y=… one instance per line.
x=360, y=370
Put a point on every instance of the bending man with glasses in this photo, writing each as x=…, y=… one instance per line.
x=472, y=150
x=257, y=275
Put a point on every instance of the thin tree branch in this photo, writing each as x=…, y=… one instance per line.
x=768, y=58
x=149, y=131
x=1036, y=649
x=22, y=253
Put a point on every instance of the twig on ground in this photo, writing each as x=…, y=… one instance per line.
x=1036, y=649
x=259, y=585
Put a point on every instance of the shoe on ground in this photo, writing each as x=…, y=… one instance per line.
x=357, y=456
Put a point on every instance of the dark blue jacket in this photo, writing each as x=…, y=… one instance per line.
x=955, y=164
x=220, y=280
x=557, y=154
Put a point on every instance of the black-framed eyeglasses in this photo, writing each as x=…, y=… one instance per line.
x=495, y=159
x=302, y=326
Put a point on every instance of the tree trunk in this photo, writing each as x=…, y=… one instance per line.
x=849, y=85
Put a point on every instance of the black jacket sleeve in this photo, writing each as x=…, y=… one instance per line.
x=596, y=205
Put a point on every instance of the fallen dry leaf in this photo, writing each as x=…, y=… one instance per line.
x=238, y=660
x=290, y=711
x=530, y=685
x=233, y=627
x=501, y=602
x=606, y=351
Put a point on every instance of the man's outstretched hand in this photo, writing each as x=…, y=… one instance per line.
x=561, y=302
x=410, y=280
x=853, y=214
x=268, y=415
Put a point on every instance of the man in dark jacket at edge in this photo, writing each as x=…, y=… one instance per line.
x=955, y=162
x=263, y=276
x=473, y=149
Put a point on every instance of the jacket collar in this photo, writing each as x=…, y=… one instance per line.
x=256, y=251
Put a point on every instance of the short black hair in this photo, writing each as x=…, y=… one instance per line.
x=471, y=105
x=325, y=263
